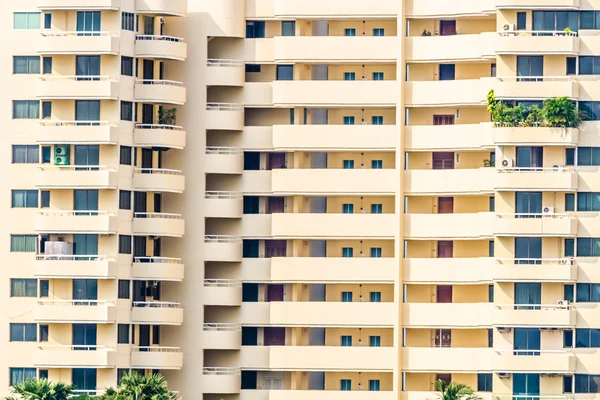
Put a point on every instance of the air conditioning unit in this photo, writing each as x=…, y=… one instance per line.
x=508, y=163
x=503, y=375
x=557, y=167
x=508, y=27
x=562, y=304
x=548, y=210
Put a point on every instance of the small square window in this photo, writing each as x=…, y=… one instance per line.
x=374, y=385
x=375, y=341
x=377, y=164
x=346, y=297
x=349, y=120
x=377, y=120
x=288, y=28
x=375, y=297
x=349, y=76
x=252, y=67
x=350, y=32
x=376, y=208
x=378, y=32
x=124, y=289
x=348, y=208
x=43, y=374
x=346, y=340
x=378, y=76
x=348, y=164
x=347, y=252
x=376, y=252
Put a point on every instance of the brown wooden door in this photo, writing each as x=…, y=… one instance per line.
x=443, y=119
x=447, y=28
x=444, y=293
x=445, y=205
x=445, y=249
x=274, y=292
x=275, y=248
x=276, y=160
x=443, y=160
x=275, y=205
x=443, y=338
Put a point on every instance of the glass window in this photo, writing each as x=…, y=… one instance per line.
x=26, y=109
x=374, y=385
x=125, y=155
x=377, y=120
x=378, y=32
x=521, y=21
x=123, y=333
x=84, y=379
x=375, y=297
x=126, y=111
x=589, y=65
x=492, y=204
x=252, y=67
x=568, y=338
x=587, y=20
x=124, y=244
x=124, y=200
x=348, y=164
x=349, y=120
x=285, y=72
x=288, y=28
x=44, y=288
x=587, y=383
x=569, y=293
x=23, y=332
x=345, y=384
x=47, y=69
x=23, y=243
x=375, y=341
x=491, y=248
x=88, y=22
x=377, y=76
x=346, y=340
x=377, y=164
x=349, y=76
x=128, y=21
x=348, y=208
x=44, y=330
x=484, y=382
x=587, y=201
x=376, y=252
x=376, y=208
x=124, y=289
x=26, y=20
x=23, y=287
x=588, y=292
x=567, y=384
x=346, y=297
x=47, y=21
x=571, y=66
x=255, y=29
x=19, y=375
x=569, y=247
x=126, y=66
x=45, y=198
x=350, y=32
x=590, y=110
x=24, y=198
x=26, y=64
x=588, y=247
x=490, y=337
x=46, y=109
x=570, y=202
x=490, y=293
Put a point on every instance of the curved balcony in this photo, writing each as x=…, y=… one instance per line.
x=157, y=269
x=74, y=311
x=561, y=225
x=222, y=248
x=535, y=270
x=173, y=8
x=222, y=336
x=447, y=9
x=224, y=116
x=535, y=87
x=76, y=177
x=537, y=4
x=159, y=91
x=158, y=180
x=221, y=72
x=538, y=136
x=64, y=266
x=77, y=221
x=223, y=205
x=156, y=357
x=159, y=135
x=78, y=87
x=79, y=43
x=78, y=132
x=157, y=313
x=158, y=224
x=80, y=5
x=540, y=315
x=224, y=160
x=555, y=179
x=160, y=47
x=221, y=380
x=73, y=356
x=447, y=315
x=537, y=42
x=222, y=292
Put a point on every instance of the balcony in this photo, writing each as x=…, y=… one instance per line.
x=74, y=311
x=156, y=313
x=535, y=225
x=320, y=269
x=321, y=358
x=334, y=8
x=447, y=359
x=223, y=205
x=78, y=132
x=465, y=92
x=445, y=271
x=67, y=356
x=159, y=91
x=172, y=8
x=79, y=43
x=334, y=181
x=222, y=336
x=224, y=160
x=158, y=224
x=222, y=292
x=527, y=42
x=335, y=137
x=76, y=177
x=222, y=72
x=268, y=394
x=546, y=361
x=547, y=315
x=160, y=47
x=158, y=180
x=535, y=87
x=78, y=87
x=535, y=270
x=442, y=8
x=450, y=48
x=535, y=4
x=538, y=136
x=159, y=135
x=220, y=380
x=63, y=266
x=449, y=181
x=319, y=313
x=555, y=179
x=60, y=5
x=329, y=225
x=447, y=315
x=73, y=222
x=325, y=93
x=156, y=357
x=448, y=137
x=448, y=226
x=222, y=248
x=336, y=49
x=157, y=269
x=224, y=116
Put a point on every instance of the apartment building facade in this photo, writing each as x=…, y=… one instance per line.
x=275, y=199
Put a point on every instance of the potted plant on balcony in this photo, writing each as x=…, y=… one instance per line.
x=167, y=116
x=425, y=33
x=560, y=112
x=454, y=391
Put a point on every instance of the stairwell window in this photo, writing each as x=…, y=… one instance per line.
x=349, y=120
x=346, y=341
x=346, y=297
x=377, y=164
x=350, y=32
x=378, y=32
x=347, y=252
x=126, y=111
x=125, y=244
x=126, y=66
x=376, y=208
x=374, y=385
x=123, y=333
x=348, y=164
x=349, y=76
x=348, y=208
x=376, y=252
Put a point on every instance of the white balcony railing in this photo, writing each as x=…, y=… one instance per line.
x=156, y=349
x=221, y=371
x=157, y=260
x=534, y=307
x=54, y=347
x=526, y=170
x=222, y=239
x=158, y=171
x=68, y=303
x=157, y=215
x=158, y=82
x=535, y=78
x=77, y=168
x=79, y=78
x=224, y=107
x=222, y=283
x=71, y=257
x=537, y=33
x=215, y=62
x=79, y=33
x=159, y=126
x=223, y=195
x=222, y=327
x=537, y=261
x=223, y=150
x=531, y=352
x=160, y=38
x=156, y=304
x=78, y=123
x=75, y=213
x=533, y=216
